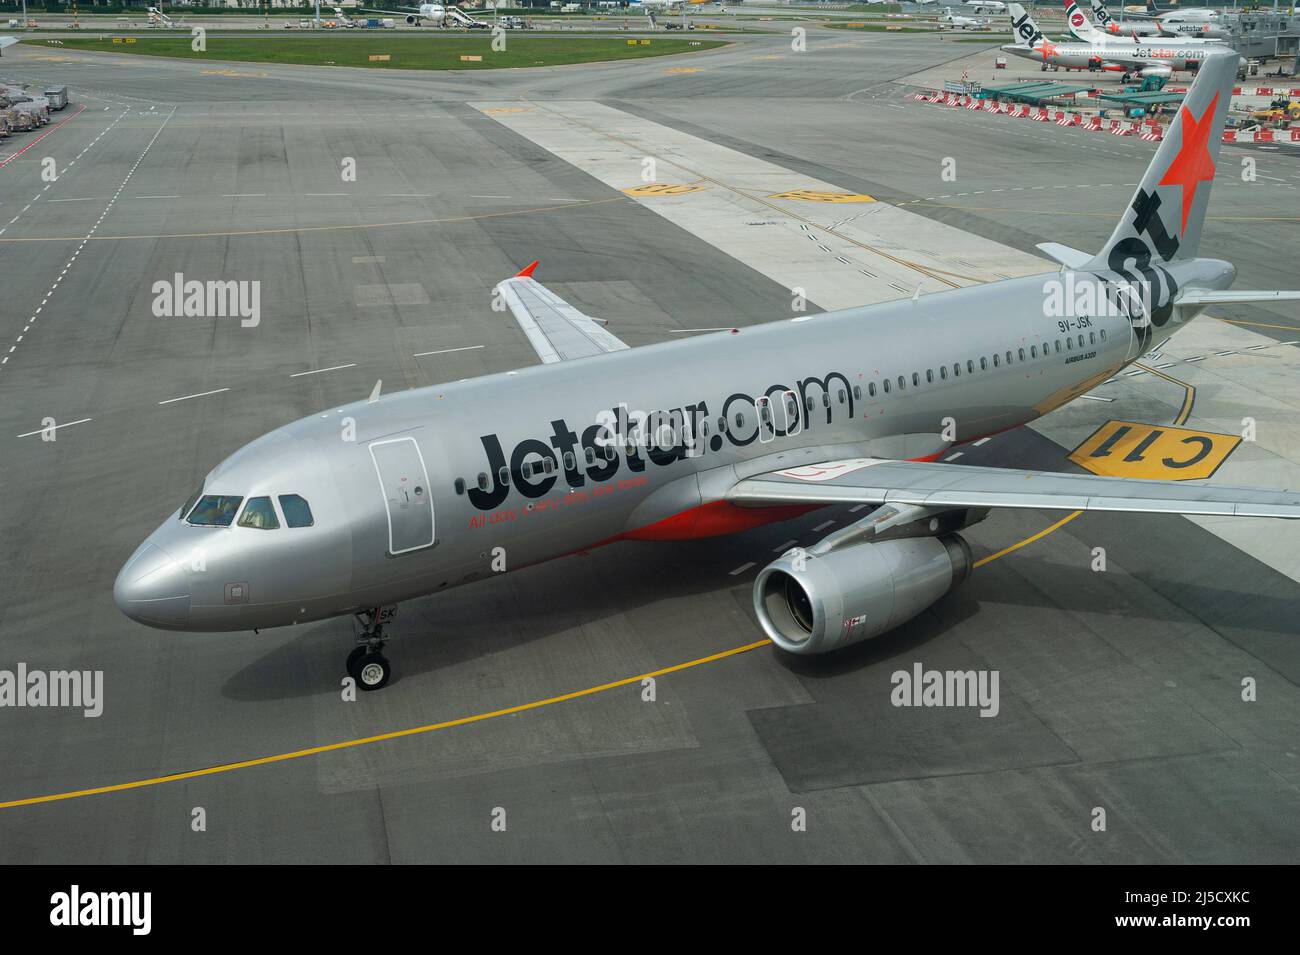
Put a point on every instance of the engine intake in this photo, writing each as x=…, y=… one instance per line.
x=811, y=603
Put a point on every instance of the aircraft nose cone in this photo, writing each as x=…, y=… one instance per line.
x=154, y=589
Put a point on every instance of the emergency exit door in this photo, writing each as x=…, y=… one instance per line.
x=405, y=486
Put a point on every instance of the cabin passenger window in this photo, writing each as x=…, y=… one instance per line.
x=259, y=513
x=569, y=461
x=526, y=469
x=943, y=372
x=482, y=481
x=1033, y=351
x=929, y=376
x=1069, y=344
x=857, y=392
x=1008, y=358
x=1080, y=340
x=1022, y=354
x=722, y=423
x=809, y=403
x=1103, y=334
x=984, y=364
x=996, y=363
x=215, y=510
x=503, y=474
x=916, y=379
x=458, y=484
x=844, y=396
x=1058, y=346
x=871, y=389
x=297, y=513
x=886, y=383
x=956, y=370
x=902, y=382
x=548, y=465
x=970, y=365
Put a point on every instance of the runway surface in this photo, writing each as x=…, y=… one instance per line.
x=1120, y=689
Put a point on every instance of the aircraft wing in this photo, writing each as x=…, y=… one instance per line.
x=556, y=330
x=946, y=486
x=7, y=41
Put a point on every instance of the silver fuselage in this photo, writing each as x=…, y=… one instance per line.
x=375, y=472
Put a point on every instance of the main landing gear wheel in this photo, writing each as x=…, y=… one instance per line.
x=353, y=658
x=373, y=671
x=366, y=664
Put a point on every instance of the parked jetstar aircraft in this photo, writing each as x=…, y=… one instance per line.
x=986, y=6
x=1145, y=27
x=1083, y=28
x=1147, y=59
x=357, y=508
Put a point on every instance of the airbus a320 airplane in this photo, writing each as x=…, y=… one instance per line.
x=358, y=508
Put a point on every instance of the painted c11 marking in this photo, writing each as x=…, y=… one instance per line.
x=1136, y=449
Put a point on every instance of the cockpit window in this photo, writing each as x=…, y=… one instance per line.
x=215, y=510
x=259, y=513
x=189, y=504
x=297, y=513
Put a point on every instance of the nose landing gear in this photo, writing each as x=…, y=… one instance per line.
x=367, y=664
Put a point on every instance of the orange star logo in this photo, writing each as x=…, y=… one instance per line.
x=1048, y=49
x=1193, y=165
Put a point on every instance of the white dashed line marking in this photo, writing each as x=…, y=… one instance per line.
x=445, y=351
x=55, y=427
x=201, y=394
x=318, y=371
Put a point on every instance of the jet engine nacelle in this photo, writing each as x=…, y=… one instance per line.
x=1164, y=72
x=810, y=603
x=412, y=19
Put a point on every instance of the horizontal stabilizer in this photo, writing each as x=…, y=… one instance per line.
x=1070, y=258
x=1246, y=297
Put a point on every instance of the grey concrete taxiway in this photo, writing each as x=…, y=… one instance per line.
x=1120, y=690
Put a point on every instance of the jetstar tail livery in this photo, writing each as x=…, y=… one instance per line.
x=358, y=508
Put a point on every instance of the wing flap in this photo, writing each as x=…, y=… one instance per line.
x=933, y=484
x=556, y=330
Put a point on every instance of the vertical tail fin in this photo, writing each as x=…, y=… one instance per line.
x=1164, y=218
x=1104, y=19
x=1023, y=28
x=1079, y=23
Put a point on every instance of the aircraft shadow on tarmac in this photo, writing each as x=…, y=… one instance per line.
x=705, y=610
